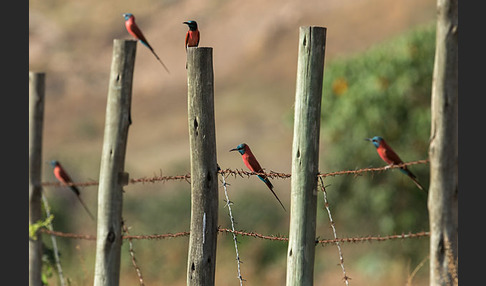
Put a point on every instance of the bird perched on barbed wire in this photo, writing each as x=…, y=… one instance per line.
x=192, y=35
x=135, y=31
x=251, y=162
x=64, y=178
x=389, y=156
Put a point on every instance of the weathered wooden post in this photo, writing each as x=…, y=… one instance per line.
x=36, y=123
x=201, y=264
x=112, y=175
x=305, y=156
x=443, y=151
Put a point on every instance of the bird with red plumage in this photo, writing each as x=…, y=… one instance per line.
x=390, y=157
x=135, y=31
x=66, y=180
x=192, y=35
x=251, y=162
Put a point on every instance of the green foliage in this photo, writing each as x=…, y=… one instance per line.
x=33, y=228
x=48, y=263
x=48, y=260
x=171, y=210
x=384, y=91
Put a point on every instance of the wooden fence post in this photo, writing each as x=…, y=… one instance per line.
x=305, y=156
x=443, y=151
x=112, y=175
x=201, y=264
x=36, y=123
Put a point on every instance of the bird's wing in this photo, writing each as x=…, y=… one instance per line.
x=63, y=176
x=253, y=164
x=394, y=157
x=389, y=156
x=138, y=34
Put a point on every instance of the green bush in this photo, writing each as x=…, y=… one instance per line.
x=384, y=91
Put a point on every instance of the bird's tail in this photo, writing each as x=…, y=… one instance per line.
x=153, y=52
x=413, y=177
x=270, y=186
x=86, y=208
x=418, y=184
x=74, y=189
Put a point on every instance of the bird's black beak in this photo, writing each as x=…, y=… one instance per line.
x=368, y=139
x=187, y=23
x=234, y=149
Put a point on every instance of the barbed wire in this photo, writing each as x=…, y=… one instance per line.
x=333, y=227
x=375, y=238
x=132, y=255
x=242, y=173
x=232, y=220
x=323, y=242
x=55, y=249
x=375, y=169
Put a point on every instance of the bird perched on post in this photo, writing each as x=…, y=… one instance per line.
x=251, y=162
x=133, y=29
x=192, y=35
x=64, y=178
x=389, y=156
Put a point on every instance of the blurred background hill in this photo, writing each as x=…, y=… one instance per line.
x=377, y=77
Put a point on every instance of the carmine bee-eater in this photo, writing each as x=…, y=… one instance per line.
x=64, y=178
x=133, y=29
x=252, y=164
x=192, y=35
x=389, y=156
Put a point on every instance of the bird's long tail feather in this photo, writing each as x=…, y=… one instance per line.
x=74, y=189
x=153, y=52
x=418, y=184
x=270, y=186
x=413, y=177
x=86, y=208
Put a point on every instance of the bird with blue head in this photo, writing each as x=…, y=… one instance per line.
x=387, y=154
x=252, y=163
